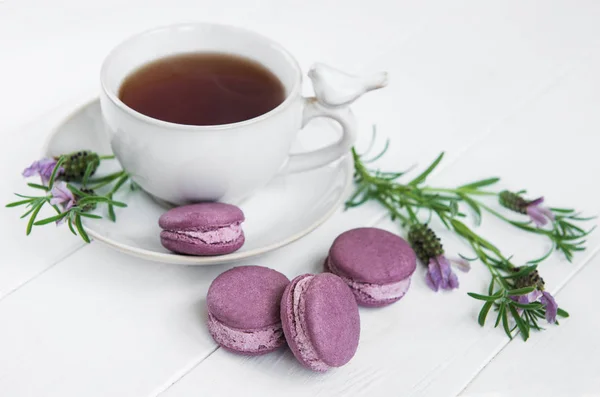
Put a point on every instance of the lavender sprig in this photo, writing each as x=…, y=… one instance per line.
x=71, y=201
x=525, y=304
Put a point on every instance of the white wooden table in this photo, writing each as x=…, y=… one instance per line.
x=508, y=88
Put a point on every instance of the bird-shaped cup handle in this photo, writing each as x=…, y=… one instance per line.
x=335, y=91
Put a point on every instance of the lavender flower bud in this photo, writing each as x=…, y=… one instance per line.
x=90, y=206
x=76, y=164
x=425, y=242
x=531, y=279
x=513, y=202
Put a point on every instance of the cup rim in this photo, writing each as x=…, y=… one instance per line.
x=161, y=123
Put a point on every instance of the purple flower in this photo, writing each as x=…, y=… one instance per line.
x=545, y=298
x=43, y=168
x=530, y=297
x=440, y=274
x=551, y=307
x=538, y=214
x=62, y=195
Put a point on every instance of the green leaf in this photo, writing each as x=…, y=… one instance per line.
x=55, y=172
x=422, y=176
x=80, y=229
x=501, y=311
x=35, y=213
x=532, y=321
x=467, y=258
x=36, y=186
x=106, y=178
x=528, y=306
x=51, y=219
x=111, y=213
x=100, y=199
x=588, y=218
x=385, y=149
x=505, y=324
x=29, y=211
x=462, y=230
x=18, y=203
x=491, y=298
x=88, y=171
x=522, y=272
x=491, y=287
x=478, y=184
x=356, y=203
x=562, y=210
x=522, y=325
x=562, y=313
x=474, y=206
x=27, y=197
x=70, y=223
x=349, y=202
x=484, y=312
x=520, y=291
x=111, y=210
x=88, y=215
x=544, y=257
x=78, y=192
x=120, y=183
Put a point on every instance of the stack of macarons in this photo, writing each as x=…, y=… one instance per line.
x=254, y=310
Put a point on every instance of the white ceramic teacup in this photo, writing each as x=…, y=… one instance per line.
x=182, y=163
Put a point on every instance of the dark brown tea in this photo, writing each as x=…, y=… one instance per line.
x=202, y=89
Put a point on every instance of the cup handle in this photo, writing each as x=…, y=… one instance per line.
x=335, y=91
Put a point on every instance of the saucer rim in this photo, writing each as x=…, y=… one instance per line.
x=177, y=259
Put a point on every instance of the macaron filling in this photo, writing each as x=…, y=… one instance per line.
x=252, y=341
x=305, y=347
x=219, y=235
x=377, y=292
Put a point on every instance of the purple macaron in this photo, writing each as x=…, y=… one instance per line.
x=376, y=265
x=320, y=321
x=202, y=229
x=243, y=309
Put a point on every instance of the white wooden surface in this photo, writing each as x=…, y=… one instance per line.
x=506, y=88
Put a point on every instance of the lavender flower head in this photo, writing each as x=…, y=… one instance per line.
x=538, y=214
x=533, y=279
x=62, y=195
x=43, y=168
x=440, y=274
x=429, y=250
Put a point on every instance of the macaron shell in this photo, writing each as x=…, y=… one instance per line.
x=191, y=246
x=247, y=297
x=287, y=318
x=373, y=255
x=201, y=216
x=332, y=319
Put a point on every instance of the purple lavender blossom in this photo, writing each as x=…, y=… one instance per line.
x=528, y=298
x=440, y=274
x=551, y=307
x=545, y=298
x=538, y=214
x=62, y=195
x=43, y=168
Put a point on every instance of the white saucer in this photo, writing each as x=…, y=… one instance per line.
x=284, y=211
